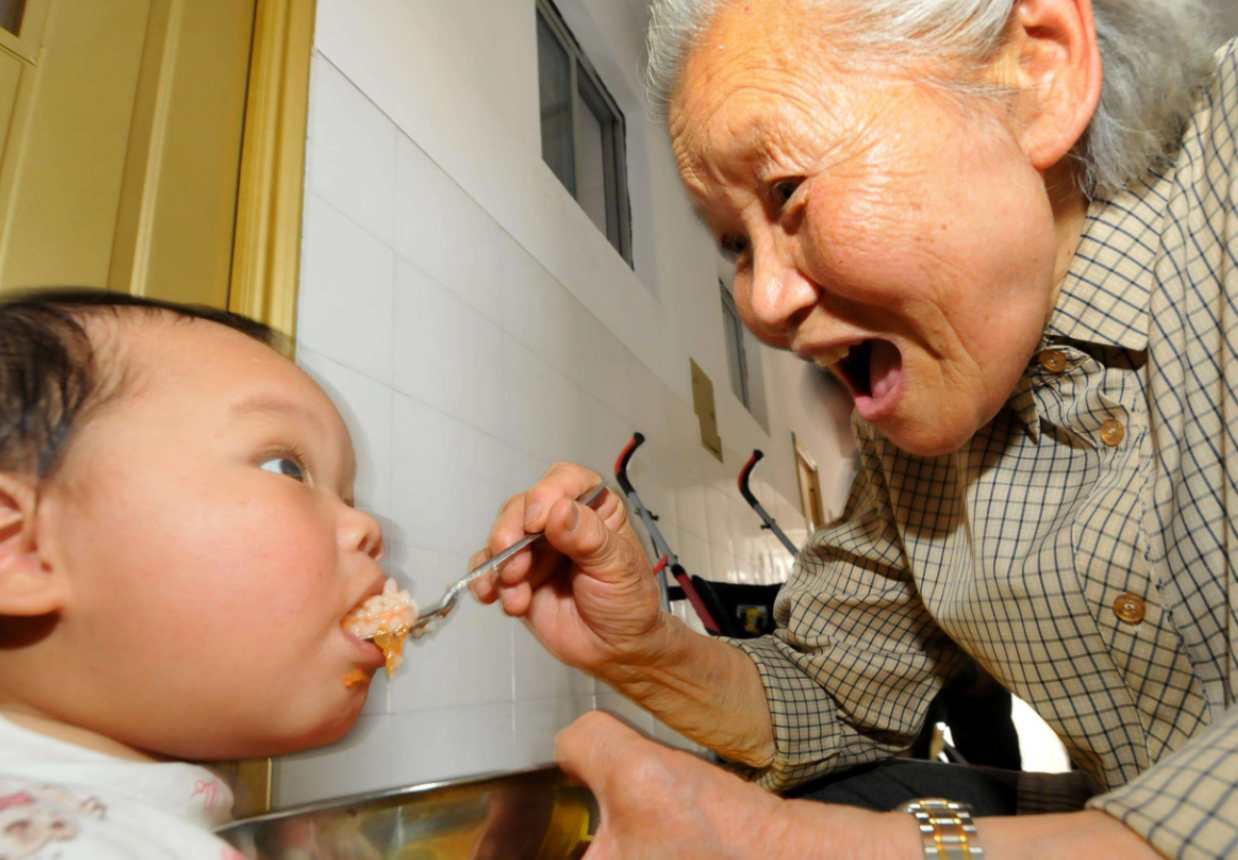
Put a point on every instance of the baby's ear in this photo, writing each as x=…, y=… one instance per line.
x=27, y=586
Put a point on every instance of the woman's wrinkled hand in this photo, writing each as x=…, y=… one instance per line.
x=587, y=591
x=662, y=804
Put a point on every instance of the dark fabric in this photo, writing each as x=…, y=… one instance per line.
x=980, y=723
x=978, y=711
x=888, y=784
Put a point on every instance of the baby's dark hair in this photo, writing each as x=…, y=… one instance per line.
x=50, y=374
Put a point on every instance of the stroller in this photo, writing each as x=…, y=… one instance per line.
x=734, y=610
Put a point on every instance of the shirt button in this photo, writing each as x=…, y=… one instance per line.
x=1130, y=608
x=1053, y=360
x=1112, y=433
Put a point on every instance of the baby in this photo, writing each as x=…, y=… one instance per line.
x=178, y=549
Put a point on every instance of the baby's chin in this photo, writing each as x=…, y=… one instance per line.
x=331, y=728
x=300, y=731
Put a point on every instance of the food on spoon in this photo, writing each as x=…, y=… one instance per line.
x=386, y=618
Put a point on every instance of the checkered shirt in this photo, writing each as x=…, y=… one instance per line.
x=1081, y=547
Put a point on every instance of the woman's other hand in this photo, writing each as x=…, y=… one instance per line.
x=662, y=804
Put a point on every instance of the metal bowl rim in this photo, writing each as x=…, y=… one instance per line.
x=340, y=803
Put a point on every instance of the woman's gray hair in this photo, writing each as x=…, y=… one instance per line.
x=1157, y=54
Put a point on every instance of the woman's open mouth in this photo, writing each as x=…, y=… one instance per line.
x=873, y=373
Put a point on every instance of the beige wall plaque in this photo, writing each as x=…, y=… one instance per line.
x=703, y=404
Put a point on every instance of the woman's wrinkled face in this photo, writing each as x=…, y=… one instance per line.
x=205, y=520
x=878, y=227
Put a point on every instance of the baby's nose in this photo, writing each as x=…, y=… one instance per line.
x=363, y=534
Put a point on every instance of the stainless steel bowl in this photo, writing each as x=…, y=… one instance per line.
x=528, y=815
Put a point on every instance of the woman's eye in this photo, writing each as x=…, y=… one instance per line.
x=733, y=246
x=285, y=466
x=784, y=190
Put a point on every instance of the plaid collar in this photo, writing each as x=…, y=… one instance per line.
x=1105, y=297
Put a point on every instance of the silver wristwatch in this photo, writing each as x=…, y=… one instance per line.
x=946, y=829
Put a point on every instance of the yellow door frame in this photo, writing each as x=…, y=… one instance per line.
x=266, y=258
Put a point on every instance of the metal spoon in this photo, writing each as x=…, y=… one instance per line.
x=428, y=621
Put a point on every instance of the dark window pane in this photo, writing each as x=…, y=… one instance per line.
x=582, y=130
x=10, y=14
x=591, y=164
x=554, y=71
x=733, y=333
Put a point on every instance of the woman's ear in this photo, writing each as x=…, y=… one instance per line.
x=1053, y=60
x=28, y=586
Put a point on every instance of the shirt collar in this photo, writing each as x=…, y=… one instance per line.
x=1104, y=299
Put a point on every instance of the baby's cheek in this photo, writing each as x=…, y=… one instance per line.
x=282, y=559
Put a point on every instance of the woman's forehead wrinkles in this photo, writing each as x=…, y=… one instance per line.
x=756, y=137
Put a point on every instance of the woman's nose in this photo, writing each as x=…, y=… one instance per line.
x=779, y=298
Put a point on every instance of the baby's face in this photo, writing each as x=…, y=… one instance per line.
x=205, y=521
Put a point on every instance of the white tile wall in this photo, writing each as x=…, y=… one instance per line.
x=464, y=368
x=447, y=355
x=445, y=232
x=346, y=295
x=354, y=148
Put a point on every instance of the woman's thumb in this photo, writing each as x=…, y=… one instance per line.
x=580, y=534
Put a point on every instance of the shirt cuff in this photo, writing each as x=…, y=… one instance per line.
x=808, y=736
x=1187, y=805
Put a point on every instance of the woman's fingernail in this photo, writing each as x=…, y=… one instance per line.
x=573, y=516
x=478, y=558
x=531, y=512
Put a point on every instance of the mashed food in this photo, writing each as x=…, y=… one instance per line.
x=386, y=618
x=356, y=678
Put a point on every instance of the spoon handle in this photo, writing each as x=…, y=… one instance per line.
x=589, y=497
x=430, y=619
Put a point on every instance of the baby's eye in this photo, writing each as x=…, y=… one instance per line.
x=285, y=466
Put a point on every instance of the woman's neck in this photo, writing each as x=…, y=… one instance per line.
x=1070, y=213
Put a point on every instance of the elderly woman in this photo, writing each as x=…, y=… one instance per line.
x=1009, y=227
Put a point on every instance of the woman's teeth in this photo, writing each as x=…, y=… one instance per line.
x=827, y=360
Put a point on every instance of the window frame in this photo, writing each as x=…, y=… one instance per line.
x=587, y=86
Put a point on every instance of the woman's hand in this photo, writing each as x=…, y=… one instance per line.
x=663, y=804
x=586, y=591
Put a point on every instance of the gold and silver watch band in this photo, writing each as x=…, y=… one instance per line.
x=946, y=829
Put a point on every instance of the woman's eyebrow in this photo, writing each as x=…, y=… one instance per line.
x=267, y=405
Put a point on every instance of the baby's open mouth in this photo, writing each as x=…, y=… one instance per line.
x=873, y=371
x=386, y=618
